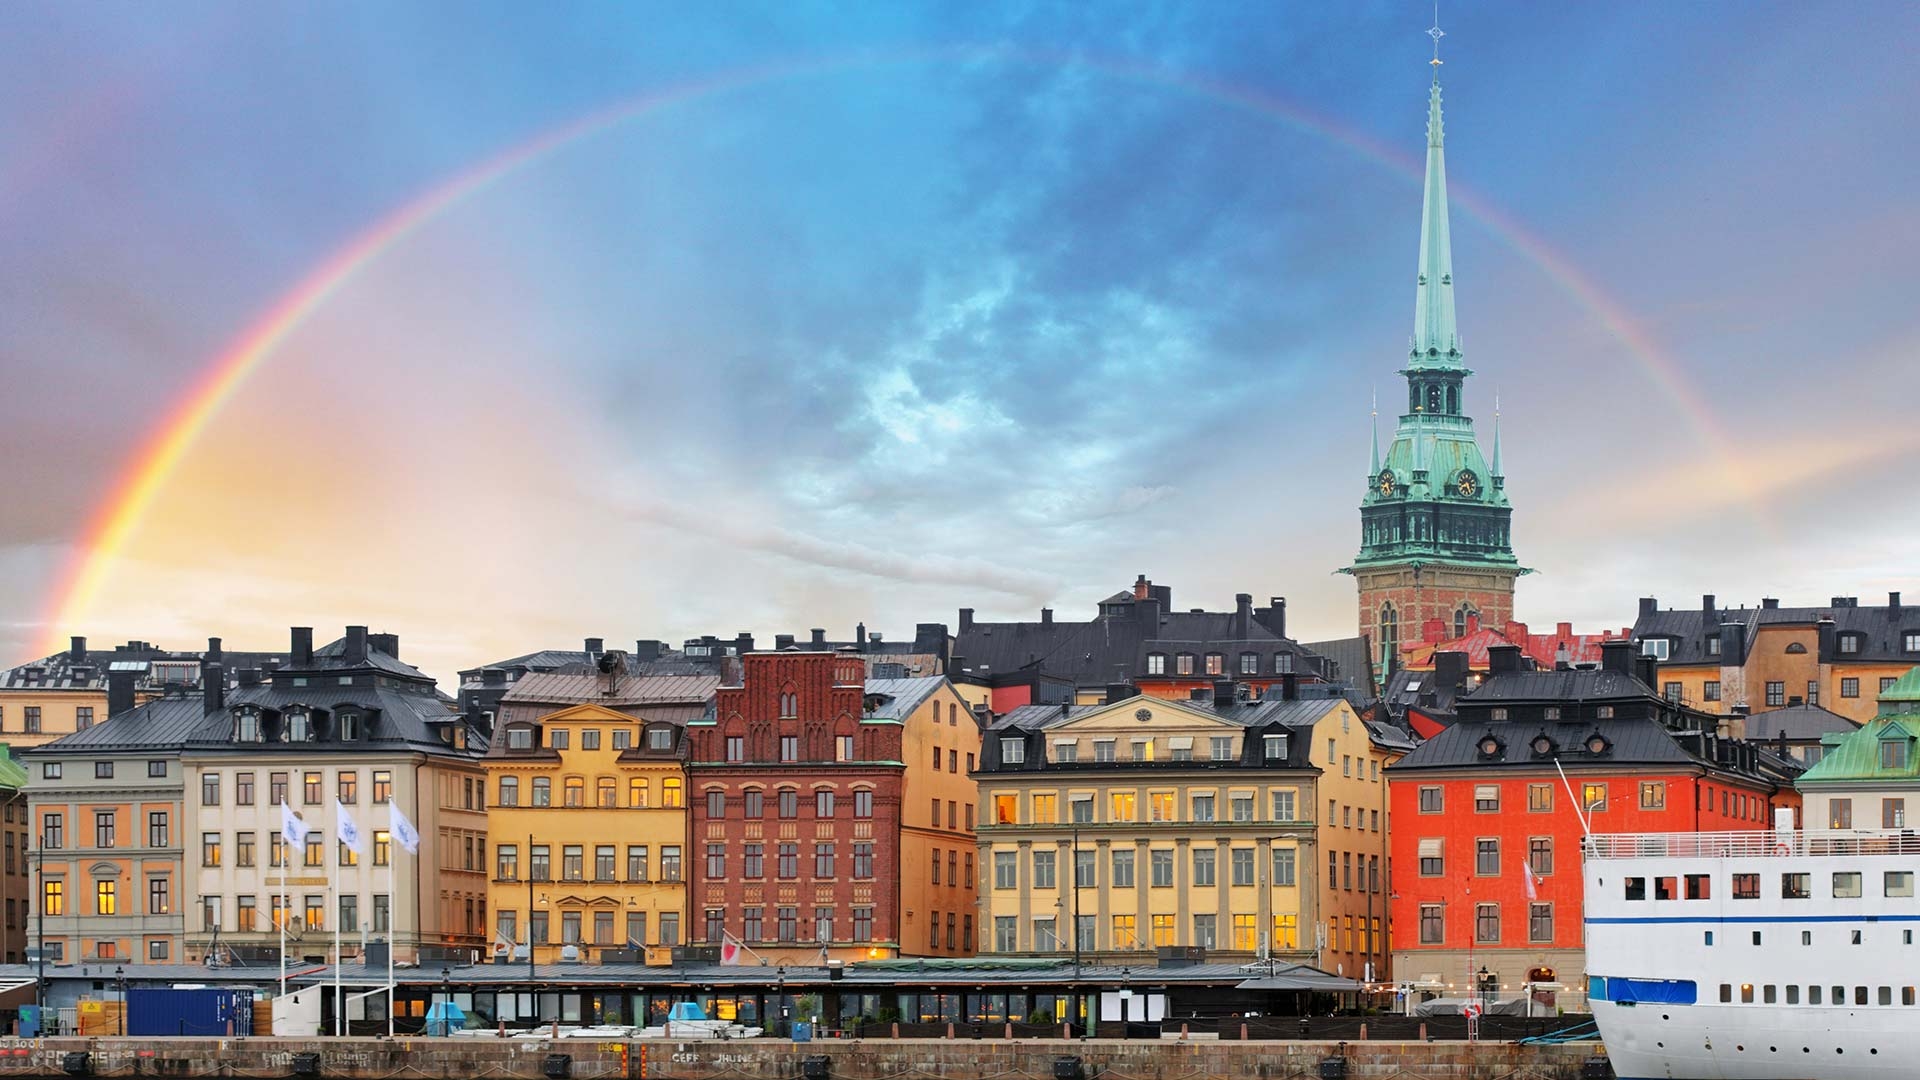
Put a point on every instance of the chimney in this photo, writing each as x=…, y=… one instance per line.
x=1242, y=616
x=1142, y=588
x=249, y=677
x=1828, y=639
x=966, y=619
x=119, y=691
x=1503, y=659
x=1617, y=656
x=1647, y=670
x=1648, y=605
x=743, y=643
x=646, y=649
x=1148, y=613
x=1289, y=687
x=860, y=634
x=356, y=647
x=1733, y=644
x=385, y=643
x=783, y=641
x=77, y=647
x=595, y=646
x=1223, y=692
x=1164, y=594
x=301, y=654
x=213, y=687
x=1563, y=631
x=1120, y=692
x=1046, y=616
x=1450, y=669
x=819, y=638
x=1771, y=603
x=1893, y=611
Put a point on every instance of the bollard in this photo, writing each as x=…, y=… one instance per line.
x=1423, y=1031
x=1243, y=1031
x=1305, y=1030
x=1183, y=1031
x=949, y=1029
x=1066, y=1031
x=1363, y=1033
x=896, y=1029
x=1009, y=1029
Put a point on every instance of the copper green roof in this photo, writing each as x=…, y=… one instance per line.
x=1903, y=696
x=13, y=775
x=1858, y=757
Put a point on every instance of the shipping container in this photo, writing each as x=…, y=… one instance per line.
x=165, y=1011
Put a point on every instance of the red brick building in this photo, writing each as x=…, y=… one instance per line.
x=1486, y=836
x=806, y=828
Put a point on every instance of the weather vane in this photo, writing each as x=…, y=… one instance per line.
x=1436, y=33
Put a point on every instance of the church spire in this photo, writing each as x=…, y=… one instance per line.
x=1435, y=338
x=1499, y=474
x=1374, y=469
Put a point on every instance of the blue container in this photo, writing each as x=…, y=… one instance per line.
x=164, y=1011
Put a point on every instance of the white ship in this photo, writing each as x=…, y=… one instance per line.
x=1782, y=955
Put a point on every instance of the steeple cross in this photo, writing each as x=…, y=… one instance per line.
x=1436, y=34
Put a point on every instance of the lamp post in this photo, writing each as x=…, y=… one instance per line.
x=120, y=980
x=780, y=995
x=1480, y=988
x=446, y=1013
x=1126, y=1001
x=40, y=979
x=531, y=978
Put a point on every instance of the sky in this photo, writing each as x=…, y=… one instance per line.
x=760, y=317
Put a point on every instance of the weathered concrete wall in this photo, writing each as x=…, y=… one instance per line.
x=768, y=1059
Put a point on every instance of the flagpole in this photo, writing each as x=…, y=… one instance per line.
x=392, y=1006
x=339, y=1003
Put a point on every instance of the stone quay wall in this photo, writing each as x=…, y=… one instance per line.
x=771, y=1059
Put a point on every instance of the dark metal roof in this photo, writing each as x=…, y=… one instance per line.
x=1299, y=713
x=1583, y=684
x=1643, y=741
x=1802, y=723
x=1352, y=658
x=1879, y=629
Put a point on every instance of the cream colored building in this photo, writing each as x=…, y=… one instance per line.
x=1244, y=827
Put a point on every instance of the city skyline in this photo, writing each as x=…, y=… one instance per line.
x=847, y=321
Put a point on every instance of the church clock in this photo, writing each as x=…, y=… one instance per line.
x=1385, y=482
x=1468, y=485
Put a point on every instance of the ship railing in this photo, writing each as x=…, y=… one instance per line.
x=1747, y=845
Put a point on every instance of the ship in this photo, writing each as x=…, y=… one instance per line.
x=1779, y=954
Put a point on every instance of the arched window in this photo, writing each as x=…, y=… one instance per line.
x=246, y=727
x=1453, y=400
x=1389, y=635
x=1433, y=399
x=606, y=793
x=671, y=795
x=637, y=793
x=789, y=704
x=576, y=790
x=1460, y=616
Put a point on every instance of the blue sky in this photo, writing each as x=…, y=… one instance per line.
x=953, y=305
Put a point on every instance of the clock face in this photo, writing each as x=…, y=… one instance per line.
x=1468, y=485
x=1386, y=482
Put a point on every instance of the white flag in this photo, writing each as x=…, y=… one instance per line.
x=405, y=833
x=1526, y=875
x=292, y=827
x=350, y=830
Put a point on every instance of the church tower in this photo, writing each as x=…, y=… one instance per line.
x=1434, y=540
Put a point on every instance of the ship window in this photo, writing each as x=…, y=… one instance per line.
x=1813, y=995
x=1856, y=937
x=1746, y=886
x=1699, y=887
x=1793, y=993
x=1746, y=993
x=1767, y=994
x=1906, y=995
x=1666, y=888
x=1859, y=995
x=1796, y=886
x=1899, y=883
x=1846, y=884
x=1756, y=937
x=1906, y=937
x=1806, y=937
x=1709, y=937
x=1886, y=995
x=1839, y=995
x=1726, y=992
x=1636, y=888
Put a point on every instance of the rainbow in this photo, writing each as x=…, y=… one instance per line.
x=139, y=484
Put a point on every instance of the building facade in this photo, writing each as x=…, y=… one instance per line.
x=807, y=787
x=57, y=695
x=589, y=816
x=1231, y=824
x=1486, y=831
x=1870, y=778
x=1737, y=661
x=1434, y=523
x=16, y=881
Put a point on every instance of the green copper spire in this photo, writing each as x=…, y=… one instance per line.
x=1436, y=341
x=1498, y=473
x=1373, y=470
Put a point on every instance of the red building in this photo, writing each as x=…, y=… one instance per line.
x=1486, y=832
x=1545, y=650
x=806, y=831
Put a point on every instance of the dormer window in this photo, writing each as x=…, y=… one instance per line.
x=1274, y=747
x=1183, y=664
x=1552, y=712
x=520, y=738
x=1656, y=647
x=1490, y=746
x=299, y=728
x=1013, y=750
x=1849, y=644
x=1910, y=641
x=1157, y=663
x=660, y=738
x=1713, y=645
x=246, y=727
x=1216, y=664
x=1893, y=753
x=350, y=727
x=1283, y=663
x=1598, y=744
x=1542, y=745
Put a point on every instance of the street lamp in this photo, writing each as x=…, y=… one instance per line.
x=40, y=980
x=120, y=979
x=446, y=1013
x=780, y=995
x=1481, y=989
x=1126, y=1000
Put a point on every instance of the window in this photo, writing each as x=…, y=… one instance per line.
x=1156, y=663
x=210, y=849
x=789, y=748
x=1044, y=811
x=50, y=770
x=519, y=738
x=1432, y=924
x=310, y=788
x=787, y=922
x=1432, y=857
x=1893, y=753
x=1283, y=866
x=157, y=833
x=506, y=862
x=1160, y=806
x=53, y=896
x=1540, y=855
x=1710, y=690
x=1796, y=886
x=316, y=849
x=1486, y=857
x=1813, y=692
x=787, y=860
x=1746, y=886
x=542, y=791
x=1486, y=798
x=862, y=803
x=103, y=770
x=159, y=896
x=1216, y=664
x=1713, y=644
x=33, y=719
x=672, y=793
x=716, y=804
x=789, y=800
x=1004, y=873
x=1203, y=858
x=559, y=738
x=1242, y=866
x=1043, y=870
x=716, y=860
x=1540, y=922
x=103, y=821
x=1776, y=692
x=1850, y=687
x=1249, y=663
x=576, y=791
x=1103, y=750
x=1886, y=683
x=606, y=792
x=1839, y=813
x=1655, y=647
x=823, y=861
x=637, y=862
x=1431, y=800
x=1653, y=795
x=383, y=851
x=1846, y=884
x=1160, y=868
x=1183, y=664
x=1910, y=641
x=348, y=786
x=670, y=862
x=209, y=789
x=1893, y=813
x=243, y=789
x=1594, y=796
x=1898, y=883
x=823, y=804
x=106, y=898
x=243, y=849
x=382, y=786
x=1121, y=806
x=1486, y=923
x=1539, y=798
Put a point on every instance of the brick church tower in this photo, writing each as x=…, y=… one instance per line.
x=1434, y=540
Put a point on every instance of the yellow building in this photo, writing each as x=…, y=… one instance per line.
x=1244, y=827
x=588, y=822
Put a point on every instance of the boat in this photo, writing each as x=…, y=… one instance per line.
x=1778, y=954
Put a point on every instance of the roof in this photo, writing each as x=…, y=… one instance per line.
x=1302, y=712
x=1545, y=649
x=1579, y=684
x=88, y=670
x=901, y=696
x=556, y=688
x=1352, y=658
x=1904, y=689
x=1879, y=629
x=1797, y=723
x=1640, y=741
x=1857, y=757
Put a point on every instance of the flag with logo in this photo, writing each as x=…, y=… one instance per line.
x=292, y=828
x=405, y=833
x=729, y=949
x=1526, y=875
x=350, y=830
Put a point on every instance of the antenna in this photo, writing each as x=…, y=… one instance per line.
x=1436, y=34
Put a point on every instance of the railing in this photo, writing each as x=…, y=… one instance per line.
x=1743, y=845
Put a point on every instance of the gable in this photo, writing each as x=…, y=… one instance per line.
x=1162, y=717
x=587, y=713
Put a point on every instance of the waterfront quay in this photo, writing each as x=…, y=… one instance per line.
x=779, y=1059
